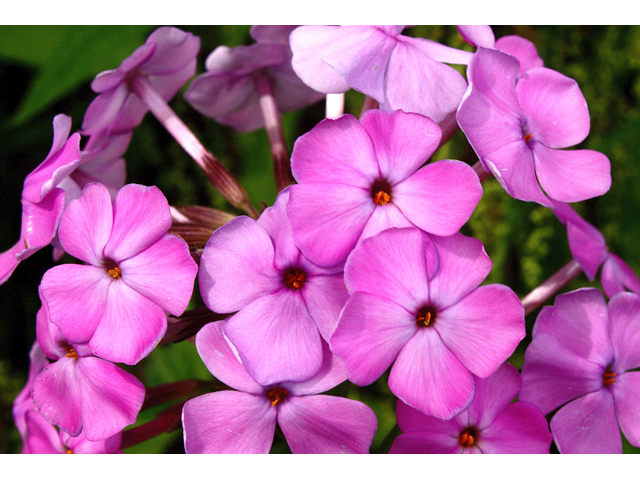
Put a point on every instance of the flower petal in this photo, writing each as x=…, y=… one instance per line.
x=626, y=391
x=325, y=296
x=228, y=422
x=429, y=378
x=616, y=276
x=519, y=428
x=411, y=420
x=521, y=48
x=331, y=374
x=425, y=442
x=327, y=424
x=624, y=330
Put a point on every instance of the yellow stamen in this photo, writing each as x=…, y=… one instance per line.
x=381, y=198
x=468, y=437
x=115, y=272
x=69, y=450
x=72, y=354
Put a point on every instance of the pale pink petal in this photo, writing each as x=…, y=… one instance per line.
x=219, y=358
x=8, y=262
x=383, y=218
x=324, y=296
x=327, y=424
x=420, y=442
x=275, y=222
x=40, y=223
x=76, y=296
x=337, y=151
x=236, y=266
x=175, y=49
x=331, y=374
x=440, y=197
x=319, y=211
x=557, y=113
x=111, y=397
x=588, y=247
x=141, y=216
x=92, y=215
x=519, y=428
x=164, y=273
x=276, y=338
x=371, y=332
x=626, y=392
x=43, y=437
x=46, y=333
x=483, y=329
x=411, y=420
x=104, y=109
x=82, y=445
x=429, y=378
x=477, y=35
x=572, y=175
x=616, y=276
x=624, y=330
x=521, y=48
x=228, y=422
x=403, y=141
x=587, y=425
x=130, y=327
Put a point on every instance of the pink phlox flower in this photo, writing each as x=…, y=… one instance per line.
x=589, y=248
x=518, y=126
x=357, y=178
x=583, y=360
x=285, y=303
x=229, y=91
x=79, y=392
x=134, y=272
x=521, y=48
x=167, y=60
x=400, y=72
x=416, y=304
x=244, y=420
x=490, y=424
x=44, y=197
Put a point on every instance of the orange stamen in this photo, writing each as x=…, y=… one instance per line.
x=115, y=272
x=468, y=437
x=276, y=395
x=69, y=450
x=294, y=278
x=425, y=316
x=608, y=378
x=72, y=354
x=381, y=198
x=527, y=137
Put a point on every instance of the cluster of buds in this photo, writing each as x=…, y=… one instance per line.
x=358, y=268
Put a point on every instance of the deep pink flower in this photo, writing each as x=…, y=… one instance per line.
x=167, y=60
x=581, y=360
x=517, y=127
x=357, y=178
x=135, y=271
x=229, y=90
x=490, y=424
x=43, y=197
x=285, y=303
x=244, y=421
x=400, y=72
x=416, y=303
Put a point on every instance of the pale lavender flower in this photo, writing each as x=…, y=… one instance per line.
x=581, y=361
x=135, y=271
x=416, y=303
x=244, y=421
x=490, y=424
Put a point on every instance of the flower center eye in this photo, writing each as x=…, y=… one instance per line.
x=276, y=395
x=72, y=354
x=608, y=378
x=425, y=316
x=294, y=278
x=381, y=192
x=527, y=137
x=69, y=450
x=113, y=269
x=468, y=437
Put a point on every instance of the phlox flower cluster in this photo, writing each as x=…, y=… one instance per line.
x=358, y=273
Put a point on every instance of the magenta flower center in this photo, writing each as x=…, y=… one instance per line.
x=608, y=378
x=425, y=317
x=381, y=192
x=468, y=437
x=294, y=278
x=276, y=395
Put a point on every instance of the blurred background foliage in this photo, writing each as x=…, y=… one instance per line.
x=47, y=70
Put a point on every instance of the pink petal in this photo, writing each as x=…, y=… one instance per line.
x=440, y=197
x=429, y=378
x=76, y=296
x=327, y=424
x=275, y=222
x=477, y=35
x=40, y=222
x=8, y=262
x=43, y=437
x=552, y=375
x=236, y=267
x=111, y=397
x=425, y=442
x=437, y=51
x=318, y=211
x=371, y=332
x=411, y=420
x=572, y=175
x=624, y=331
x=331, y=374
x=519, y=428
x=130, y=327
x=524, y=50
x=587, y=425
x=403, y=142
x=141, y=216
x=276, y=338
x=164, y=273
x=104, y=109
x=394, y=264
x=324, y=296
x=626, y=392
x=587, y=246
x=92, y=215
x=463, y=265
x=616, y=276
x=217, y=355
x=383, y=218
x=337, y=151
x=228, y=422
x=82, y=445
x=557, y=113
x=175, y=49
x=484, y=328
